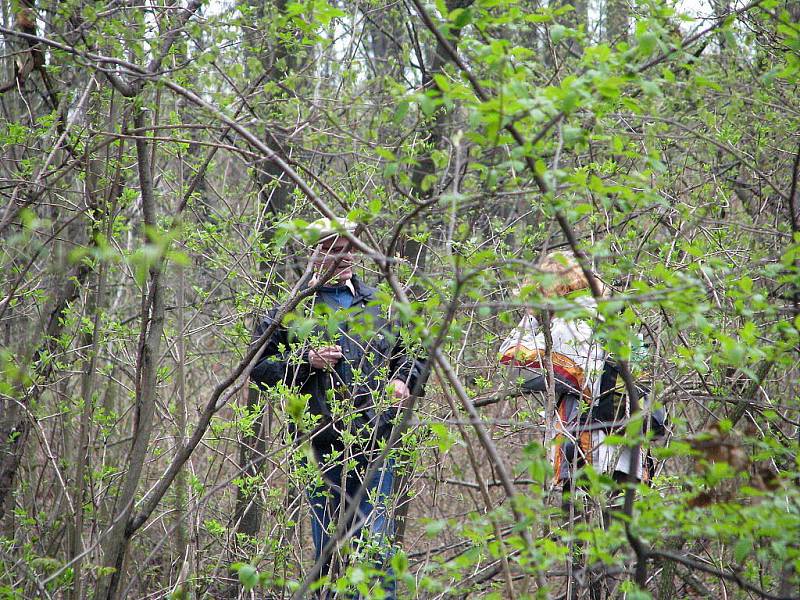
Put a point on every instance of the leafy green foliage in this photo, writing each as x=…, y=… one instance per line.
x=670, y=155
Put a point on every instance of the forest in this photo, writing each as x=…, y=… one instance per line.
x=185, y=191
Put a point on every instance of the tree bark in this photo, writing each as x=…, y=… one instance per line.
x=412, y=250
x=117, y=540
x=617, y=21
x=275, y=195
x=90, y=340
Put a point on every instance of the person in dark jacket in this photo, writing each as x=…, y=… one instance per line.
x=356, y=374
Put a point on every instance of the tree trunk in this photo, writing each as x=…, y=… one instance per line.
x=275, y=193
x=422, y=188
x=117, y=540
x=90, y=340
x=617, y=21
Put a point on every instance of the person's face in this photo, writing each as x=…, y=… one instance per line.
x=337, y=255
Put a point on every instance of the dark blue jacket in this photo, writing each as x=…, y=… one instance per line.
x=373, y=355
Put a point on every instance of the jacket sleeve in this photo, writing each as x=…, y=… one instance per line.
x=527, y=334
x=406, y=367
x=539, y=384
x=279, y=362
x=575, y=339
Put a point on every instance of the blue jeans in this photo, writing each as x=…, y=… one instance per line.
x=371, y=521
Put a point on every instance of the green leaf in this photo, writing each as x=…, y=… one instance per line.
x=444, y=439
x=357, y=575
x=399, y=562
x=743, y=549
x=400, y=111
x=461, y=17
x=442, y=82
x=733, y=352
x=570, y=101
x=572, y=134
x=296, y=407
x=427, y=104
x=248, y=577
x=647, y=42
x=385, y=153
x=301, y=328
x=435, y=527
x=651, y=88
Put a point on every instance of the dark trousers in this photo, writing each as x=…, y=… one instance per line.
x=371, y=522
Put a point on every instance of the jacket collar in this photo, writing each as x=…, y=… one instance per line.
x=348, y=284
x=361, y=292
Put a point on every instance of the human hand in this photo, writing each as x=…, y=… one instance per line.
x=399, y=389
x=324, y=357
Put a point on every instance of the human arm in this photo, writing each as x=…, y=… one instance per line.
x=405, y=371
x=526, y=335
x=278, y=362
x=539, y=384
